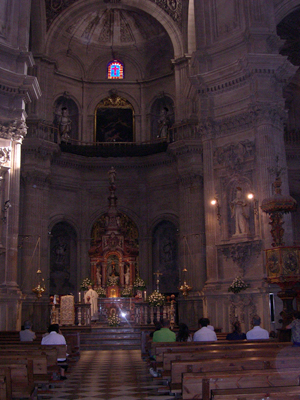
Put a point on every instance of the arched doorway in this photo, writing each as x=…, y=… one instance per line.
x=114, y=120
x=63, y=259
x=165, y=257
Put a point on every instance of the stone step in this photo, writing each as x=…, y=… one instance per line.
x=109, y=338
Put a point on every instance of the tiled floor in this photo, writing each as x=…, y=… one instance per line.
x=109, y=375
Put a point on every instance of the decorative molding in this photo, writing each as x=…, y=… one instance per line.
x=233, y=155
x=15, y=131
x=241, y=253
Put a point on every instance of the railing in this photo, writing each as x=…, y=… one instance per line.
x=47, y=131
x=132, y=311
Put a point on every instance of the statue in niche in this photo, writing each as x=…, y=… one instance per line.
x=65, y=125
x=98, y=276
x=239, y=212
x=127, y=275
x=164, y=123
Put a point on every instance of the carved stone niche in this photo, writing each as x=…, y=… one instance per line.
x=241, y=253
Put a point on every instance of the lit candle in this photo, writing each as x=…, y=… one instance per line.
x=145, y=295
x=79, y=297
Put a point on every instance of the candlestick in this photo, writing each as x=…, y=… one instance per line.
x=79, y=297
x=145, y=295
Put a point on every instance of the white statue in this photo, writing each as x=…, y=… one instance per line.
x=112, y=175
x=127, y=276
x=238, y=211
x=98, y=276
x=91, y=296
x=65, y=125
x=163, y=124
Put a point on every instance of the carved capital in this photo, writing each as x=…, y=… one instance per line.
x=233, y=155
x=241, y=253
x=15, y=131
x=268, y=113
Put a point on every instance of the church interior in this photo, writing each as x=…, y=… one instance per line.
x=150, y=148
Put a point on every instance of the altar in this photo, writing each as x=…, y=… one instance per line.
x=128, y=309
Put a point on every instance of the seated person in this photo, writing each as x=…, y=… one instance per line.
x=204, y=334
x=257, y=332
x=183, y=334
x=27, y=335
x=236, y=334
x=56, y=338
x=163, y=335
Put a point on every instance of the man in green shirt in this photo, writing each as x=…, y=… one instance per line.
x=163, y=335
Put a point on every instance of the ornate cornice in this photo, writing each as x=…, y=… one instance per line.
x=14, y=130
x=256, y=114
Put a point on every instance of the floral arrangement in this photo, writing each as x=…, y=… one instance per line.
x=86, y=283
x=237, y=285
x=139, y=283
x=113, y=320
x=112, y=280
x=101, y=292
x=126, y=292
x=156, y=299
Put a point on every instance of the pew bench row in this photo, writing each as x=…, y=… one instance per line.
x=246, y=369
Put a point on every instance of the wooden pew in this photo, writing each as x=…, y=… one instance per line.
x=5, y=383
x=180, y=367
x=226, y=351
x=224, y=385
x=21, y=377
x=158, y=348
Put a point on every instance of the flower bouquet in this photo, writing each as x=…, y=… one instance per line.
x=126, y=292
x=101, y=292
x=238, y=285
x=113, y=320
x=85, y=284
x=112, y=280
x=156, y=299
x=139, y=283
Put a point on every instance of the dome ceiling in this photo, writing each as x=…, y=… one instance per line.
x=115, y=27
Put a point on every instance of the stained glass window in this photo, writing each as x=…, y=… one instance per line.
x=115, y=70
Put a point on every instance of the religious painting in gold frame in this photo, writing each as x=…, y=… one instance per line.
x=114, y=120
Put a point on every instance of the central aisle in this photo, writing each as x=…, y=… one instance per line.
x=109, y=374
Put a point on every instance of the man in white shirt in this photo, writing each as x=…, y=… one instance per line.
x=257, y=332
x=204, y=334
x=56, y=338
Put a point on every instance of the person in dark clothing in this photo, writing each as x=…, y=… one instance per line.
x=183, y=333
x=237, y=332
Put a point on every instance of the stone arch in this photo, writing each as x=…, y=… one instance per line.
x=284, y=8
x=165, y=256
x=172, y=28
x=63, y=259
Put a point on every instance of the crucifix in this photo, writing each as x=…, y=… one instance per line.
x=157, y=279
